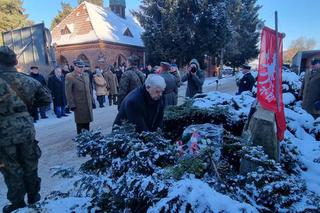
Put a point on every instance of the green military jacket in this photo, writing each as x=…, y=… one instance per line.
x=18, y=94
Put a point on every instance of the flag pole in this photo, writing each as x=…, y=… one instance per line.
x=277, y=62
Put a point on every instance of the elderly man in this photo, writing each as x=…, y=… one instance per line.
x=144, y=107
x=310, y=90
x=56, y=84
x=79, y=96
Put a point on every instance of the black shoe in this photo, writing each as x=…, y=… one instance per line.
x=44, y=117
x=101, y=106
x=32, y=199
x=64, y=115
x=12, y=207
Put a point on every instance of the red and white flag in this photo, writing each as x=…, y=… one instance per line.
x=269, y=84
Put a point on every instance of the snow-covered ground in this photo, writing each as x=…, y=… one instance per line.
x=55, y=136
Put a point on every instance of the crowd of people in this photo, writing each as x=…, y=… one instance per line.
x=141, y=96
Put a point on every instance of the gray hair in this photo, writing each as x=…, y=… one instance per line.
x=154, y=80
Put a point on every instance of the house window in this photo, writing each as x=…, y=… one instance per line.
x=65, y=31
x=127, y=32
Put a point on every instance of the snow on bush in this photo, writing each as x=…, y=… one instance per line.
x=193, y=195
x=196, y=167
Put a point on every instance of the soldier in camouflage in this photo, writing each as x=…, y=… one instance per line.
x=131, y=79
x=19, y=151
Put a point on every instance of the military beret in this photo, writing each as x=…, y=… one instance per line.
x=7, y=56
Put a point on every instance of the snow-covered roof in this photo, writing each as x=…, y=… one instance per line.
x=107, y=26
x=110, y=27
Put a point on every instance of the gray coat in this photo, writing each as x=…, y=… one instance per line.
x=195, y=81
x=170, y=94
x=310, y=91
x=79, y=96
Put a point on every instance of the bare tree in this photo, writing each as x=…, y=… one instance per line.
x=300, y=44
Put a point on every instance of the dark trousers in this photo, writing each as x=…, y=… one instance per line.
x=60, y=111
x=84, y=126
x=101, y=99
x=20, y=170
x=35, y=112
x=112, y=99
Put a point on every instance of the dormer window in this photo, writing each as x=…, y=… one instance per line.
x=128, y=33
x=65, y=31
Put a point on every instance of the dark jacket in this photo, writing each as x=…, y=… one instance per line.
x=170, y=94
x=140, y=109
x=195, y=82
x=57, y=88
x=246, y=83
x=39, y=78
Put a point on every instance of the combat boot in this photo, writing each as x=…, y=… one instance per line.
x=32, y=199
x=12, y=207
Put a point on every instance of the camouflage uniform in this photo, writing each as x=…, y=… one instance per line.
x=19, y=151
x=131, y=79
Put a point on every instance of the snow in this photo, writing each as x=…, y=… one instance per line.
x=110, y=27
x=288, y=98
x=63, y=205
x=107, y=26
x=201, y=196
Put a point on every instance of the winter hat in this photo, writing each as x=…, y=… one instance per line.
x=34, y=67
x=196, y=62
x=7, y=56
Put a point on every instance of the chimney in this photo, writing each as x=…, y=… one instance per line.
x=118, y=7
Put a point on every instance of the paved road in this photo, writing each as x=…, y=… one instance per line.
x=55, y=136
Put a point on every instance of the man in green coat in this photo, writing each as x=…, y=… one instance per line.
x=19, y=151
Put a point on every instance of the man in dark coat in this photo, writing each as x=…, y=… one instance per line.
x=131, y=79
x=195, y=78
x=56, y=84
x=79, y=96
x=310, y=89
x=170, y=93
x=19, y=151
x=143, y=106
x=34, y=73
x=246, y=83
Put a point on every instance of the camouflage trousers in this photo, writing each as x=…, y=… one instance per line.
x=20, y=170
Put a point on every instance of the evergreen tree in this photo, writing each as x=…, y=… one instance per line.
x=243, y=45
x=12, y=16
x=183, y=29
x=66, y=10
x=97, y=2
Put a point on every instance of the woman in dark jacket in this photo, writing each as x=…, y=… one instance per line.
x=56, y=84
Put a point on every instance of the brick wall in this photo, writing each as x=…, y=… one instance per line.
x=95, y=51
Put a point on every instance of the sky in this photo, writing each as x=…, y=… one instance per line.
x=296, y=17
